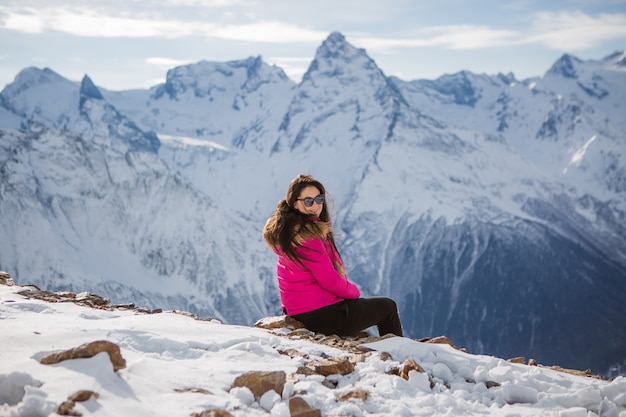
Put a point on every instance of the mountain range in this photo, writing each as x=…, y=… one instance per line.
x=493, y=210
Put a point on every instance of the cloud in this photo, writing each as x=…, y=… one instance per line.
x=571, y=31
x=166, y=62
x=270, y=32
x=450, y=37
x=203, y=3
x=89, y=23
x=565, y=30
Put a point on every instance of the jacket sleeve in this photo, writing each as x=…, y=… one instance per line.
x=315, y=258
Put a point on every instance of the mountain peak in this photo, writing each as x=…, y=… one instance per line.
x=617, y=58
x=336, y=46
x=335, y=55
x=89, y=90
x=565, y=66
x=201, y=78
x=28, y=78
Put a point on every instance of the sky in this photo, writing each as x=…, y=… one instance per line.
x=174, y=365
x=132, y=43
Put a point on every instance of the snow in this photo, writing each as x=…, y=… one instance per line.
x=177, y=365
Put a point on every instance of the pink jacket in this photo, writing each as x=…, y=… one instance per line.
x=320, y=284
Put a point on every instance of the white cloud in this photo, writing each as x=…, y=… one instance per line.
x=576, y=30
x=270, y=32
x=166, y=62
x=26, y=20
x=203, y=3
x=565, y=30
x=450, y=37
x=562, y=31
x=471, y=37
x=88, y=23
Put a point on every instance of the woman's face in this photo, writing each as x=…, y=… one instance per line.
x=309, y=192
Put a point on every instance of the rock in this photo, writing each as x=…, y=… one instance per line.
x=92, y=299
x=188, y=314
x=491, y=384
x=89, y=350
x=292, y=353
x=586, y=372
x=408, y=366
x=298, y=407
x=83, y=395
x=260, y=382
x=278, y=322
x=67, y=407
x=304, y=370
x=5, y=279
x=519, y=359
x=443, y=340
x=215, y=412
x=359, y=394
x=341, y=366
x=193, y=390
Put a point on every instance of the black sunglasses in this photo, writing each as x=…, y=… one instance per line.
x=308, y=201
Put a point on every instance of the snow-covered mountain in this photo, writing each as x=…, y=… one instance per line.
x=491, y=209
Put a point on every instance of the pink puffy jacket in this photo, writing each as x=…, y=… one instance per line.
x=319, y=284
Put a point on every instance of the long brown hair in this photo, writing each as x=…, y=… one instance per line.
x=281, y=229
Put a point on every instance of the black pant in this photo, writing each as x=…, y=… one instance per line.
x=349, y=317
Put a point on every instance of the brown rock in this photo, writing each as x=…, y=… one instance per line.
x=305, y=370
x=260, y=382
x=519, y=359
x=408, y=366
x=298, y=407
x=91, y=299
x=341, y=366
x=67, y=409
x=278, y=322
x=292, y=353
x=89, y=350
x=360, y=357
x=5, y=279
x=491, y=384
x=305, y=333
x=193, y=390
x=215, y=412
x=83, y=395
x=442, y=340
x=359, y=394
x=585, y=373
x=293, y=323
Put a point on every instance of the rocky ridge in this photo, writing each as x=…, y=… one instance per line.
x=263, y=385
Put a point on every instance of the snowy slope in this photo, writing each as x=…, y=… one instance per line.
x=491, y=209
x=86, y=216
x=176, y=366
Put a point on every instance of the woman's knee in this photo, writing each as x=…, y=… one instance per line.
x=390, y=304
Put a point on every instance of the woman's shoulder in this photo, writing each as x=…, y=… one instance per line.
x=317, y=230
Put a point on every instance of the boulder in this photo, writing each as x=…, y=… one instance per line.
x=298, y=407
x=89, y=350
x=260, y=382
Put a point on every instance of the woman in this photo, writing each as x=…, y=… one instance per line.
x=314, y=288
